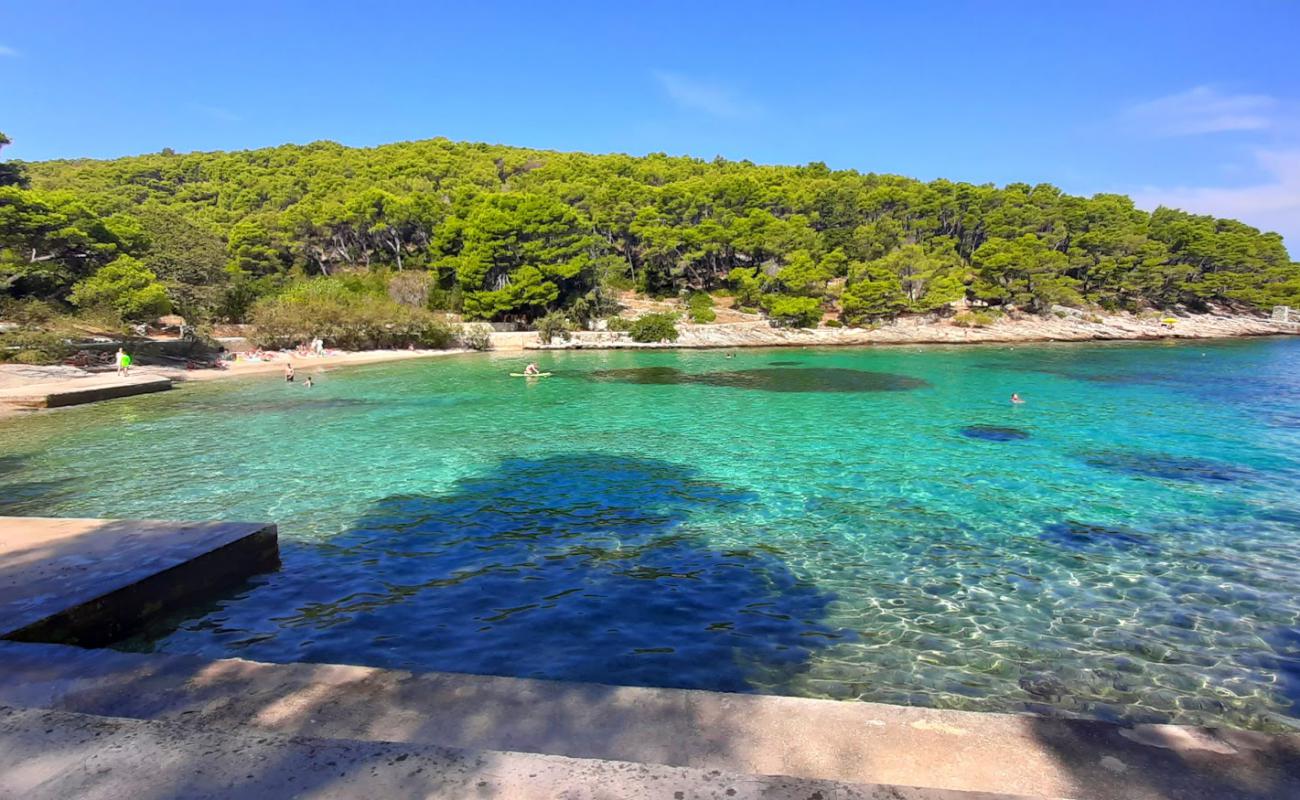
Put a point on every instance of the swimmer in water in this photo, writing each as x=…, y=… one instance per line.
x=1015, y=398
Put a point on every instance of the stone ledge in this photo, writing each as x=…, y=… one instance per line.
x=56, y=755
x=90, y=582
x=850, y=742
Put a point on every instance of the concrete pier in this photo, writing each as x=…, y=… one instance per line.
x=92, y=581
x=82, y=390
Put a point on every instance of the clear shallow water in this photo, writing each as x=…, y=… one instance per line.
x=878, y=524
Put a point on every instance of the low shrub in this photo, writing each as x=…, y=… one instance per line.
x=475, y=337
x=33, y=347
x=654, y=328
x=410, y=288
x=618, y=324
x=28, y=312
x=792, y=312
x=345, y=316
x=974, y=319
x=833, y=323
x=701, y=308
x=553, y=326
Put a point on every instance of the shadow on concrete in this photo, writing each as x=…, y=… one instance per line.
x=1168, y=762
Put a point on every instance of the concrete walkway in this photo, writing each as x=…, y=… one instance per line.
x=51, y=755
x=93, y=581
x=847, y=742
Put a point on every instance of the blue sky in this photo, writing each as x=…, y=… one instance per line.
x=1191, y=104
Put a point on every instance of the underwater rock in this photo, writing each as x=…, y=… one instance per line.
x=1082, y=536
x=1169, y=467
x=807, y=379
x=994, y=433
x=1044, y=686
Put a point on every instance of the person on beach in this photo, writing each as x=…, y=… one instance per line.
x=288, y=372
x=532, y=369
x=1015, y=398
x=123, y=363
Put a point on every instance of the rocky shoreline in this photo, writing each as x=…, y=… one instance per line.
x=1069, y=327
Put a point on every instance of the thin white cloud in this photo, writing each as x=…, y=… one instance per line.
x=711, y=98
x=5, y=50
x=1271, y=205
x=217, y=113
x=1203, y=109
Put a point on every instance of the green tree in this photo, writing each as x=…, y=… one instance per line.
x=50, y=240
x=514, y=232
x=189, y=261
x=11, y=174
x=520, y=254
x=1024, y=272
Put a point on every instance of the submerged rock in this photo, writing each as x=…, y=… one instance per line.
x=1170, y=467
x=1044, y=686
x=994, y=433
x=1082, y=536
x=807, y=379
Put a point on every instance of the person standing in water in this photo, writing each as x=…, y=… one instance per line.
x=288, y=372
x=307, y=383
x=123, y=363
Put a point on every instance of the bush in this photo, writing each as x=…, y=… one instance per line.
x=793, y=312
x=410, y=288
x=33, y=347
x=833, y=323
x=29, y=311
x=974, y=319
x=553, y=325
x=125, y=286
x=701, y=308
x=475, y=337
x=353, y=318
x=618, y=324
x=655, y=328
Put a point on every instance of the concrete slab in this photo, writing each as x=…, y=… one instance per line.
x=57, y=755
x=92, y=581
x=858, y=743
x=82, y=390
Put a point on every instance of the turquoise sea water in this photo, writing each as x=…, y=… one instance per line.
x=876, y=523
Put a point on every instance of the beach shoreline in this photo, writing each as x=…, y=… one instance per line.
x=1064, y=328
x=16, y=378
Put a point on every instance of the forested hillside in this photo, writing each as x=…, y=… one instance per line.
x=500, y=232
